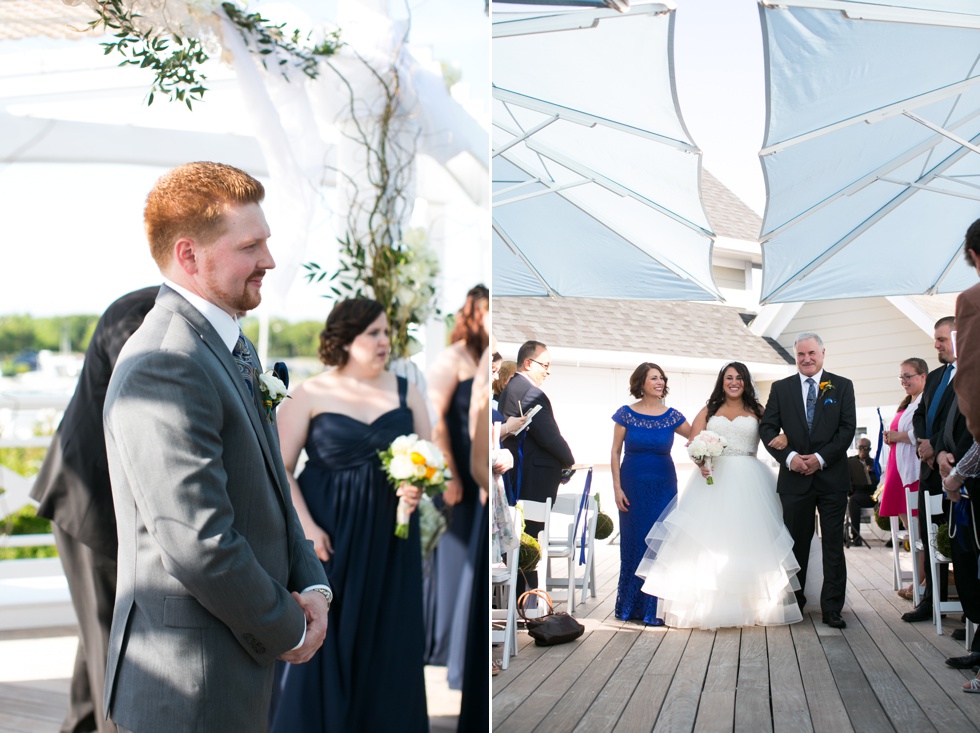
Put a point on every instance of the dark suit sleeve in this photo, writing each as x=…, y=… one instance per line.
x=772, y=423
x=544, y=430
x=919, y=418
x=835, y=449
x=967, y=381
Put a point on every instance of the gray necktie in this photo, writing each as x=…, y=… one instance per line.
x=243, y=358
x=811, y=400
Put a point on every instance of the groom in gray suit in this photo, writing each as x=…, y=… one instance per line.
x=216, y=578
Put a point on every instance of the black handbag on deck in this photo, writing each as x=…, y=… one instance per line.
x=552, y=628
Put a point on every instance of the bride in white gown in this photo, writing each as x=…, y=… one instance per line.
x=720, y=554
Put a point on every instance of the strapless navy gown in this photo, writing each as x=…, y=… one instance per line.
x=446, y=592
x=368, y=676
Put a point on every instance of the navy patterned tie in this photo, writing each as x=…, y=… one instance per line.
x=243, y=358
x=811, y=399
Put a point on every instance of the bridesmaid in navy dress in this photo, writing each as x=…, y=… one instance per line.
x=369, y=675
x=450, y=385
x=645, y=483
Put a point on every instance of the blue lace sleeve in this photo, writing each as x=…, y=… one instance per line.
x=676, y=417
x=620, y=416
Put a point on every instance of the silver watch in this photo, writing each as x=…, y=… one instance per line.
x=326, y=593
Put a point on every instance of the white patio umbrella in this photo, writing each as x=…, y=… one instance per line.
x=595, y=178
x=871, y=154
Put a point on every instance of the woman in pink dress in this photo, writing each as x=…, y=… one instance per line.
x=902, y=468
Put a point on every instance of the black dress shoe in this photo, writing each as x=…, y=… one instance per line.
x=966, y=662
x=834, y=621
x=958, y=634
x=922, y=612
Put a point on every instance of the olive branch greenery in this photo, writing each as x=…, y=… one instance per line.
x=175, y=59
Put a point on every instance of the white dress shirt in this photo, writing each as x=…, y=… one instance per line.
x=804, y=390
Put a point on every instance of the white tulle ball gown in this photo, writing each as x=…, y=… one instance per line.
x=720, y=554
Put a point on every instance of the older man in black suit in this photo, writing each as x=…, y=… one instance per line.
x=74, y=493
x=543, y=450
x=928, y=423
x=816, y=411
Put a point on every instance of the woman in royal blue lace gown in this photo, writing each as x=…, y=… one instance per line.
x=369, y=675
x=645, y=483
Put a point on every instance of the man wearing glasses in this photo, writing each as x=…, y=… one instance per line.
x=864, y=481
x=540, y=451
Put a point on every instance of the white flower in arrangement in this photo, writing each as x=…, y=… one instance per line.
x=705, y=446
x=430, y=455
x=402, y=467
x=403, y=444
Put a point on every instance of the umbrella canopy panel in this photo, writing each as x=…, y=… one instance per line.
x=595, y=178
x=870, y=156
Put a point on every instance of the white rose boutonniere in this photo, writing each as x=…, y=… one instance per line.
x=273, y=392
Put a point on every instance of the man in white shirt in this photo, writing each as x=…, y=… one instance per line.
x=216, y=579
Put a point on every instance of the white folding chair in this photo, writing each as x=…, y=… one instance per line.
x=565, y=541
x=915, y=544
x=934, y=505
x=899, y=577
x=539, y=511
x=504, y=578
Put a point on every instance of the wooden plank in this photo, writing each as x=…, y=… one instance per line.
x=789, y=705
x=643, y=708
x=610, y=702
x=859, y=700
x=581, y=696
x=680, y=709
x=716, y=711
x=752, y=712
x=823, y=699
x=896, y=701
x=534, y=687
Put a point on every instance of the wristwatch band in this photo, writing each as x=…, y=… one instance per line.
x=326, y=593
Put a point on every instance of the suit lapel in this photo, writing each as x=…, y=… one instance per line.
x=796, y=395
x=217, y=347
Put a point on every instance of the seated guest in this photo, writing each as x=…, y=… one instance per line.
x=863, y=486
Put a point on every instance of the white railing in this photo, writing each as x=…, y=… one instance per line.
x=33, y=592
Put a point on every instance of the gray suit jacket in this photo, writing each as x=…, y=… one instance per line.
x=209, y=543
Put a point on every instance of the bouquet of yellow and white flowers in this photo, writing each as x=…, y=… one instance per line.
x=409, y=460
x=705, y=446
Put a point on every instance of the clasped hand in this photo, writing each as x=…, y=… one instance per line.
x=315, y=608
x=807, y=465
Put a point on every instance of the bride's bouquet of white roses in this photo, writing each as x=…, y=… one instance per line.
x=409, y=460
x=705, y=446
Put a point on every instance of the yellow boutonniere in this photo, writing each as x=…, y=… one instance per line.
x=824, y=386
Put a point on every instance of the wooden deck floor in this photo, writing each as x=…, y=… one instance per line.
x=34, y=674
x=878, y=674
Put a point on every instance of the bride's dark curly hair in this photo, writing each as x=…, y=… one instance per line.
x=348, y=320
x=749, y=400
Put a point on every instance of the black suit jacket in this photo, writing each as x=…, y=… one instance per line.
x=545, y=451
x=834, y=423
x=72, y=485
x=928, y=476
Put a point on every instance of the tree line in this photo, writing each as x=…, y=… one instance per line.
x=25, y=334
